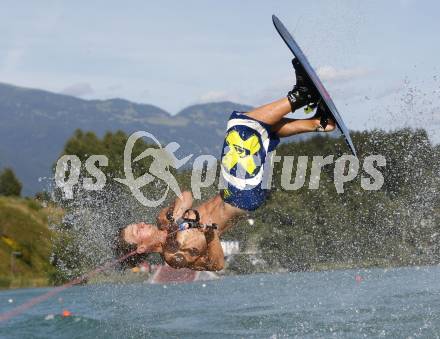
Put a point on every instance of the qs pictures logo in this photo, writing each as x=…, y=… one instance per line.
x=163, y=159
x=240, y=167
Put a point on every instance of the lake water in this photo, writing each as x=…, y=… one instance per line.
x=401, y=303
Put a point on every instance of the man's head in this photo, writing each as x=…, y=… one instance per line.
x=141, y=237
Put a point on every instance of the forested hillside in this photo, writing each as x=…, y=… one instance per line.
x=294, y=230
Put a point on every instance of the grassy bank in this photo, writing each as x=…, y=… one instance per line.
x=25, y=242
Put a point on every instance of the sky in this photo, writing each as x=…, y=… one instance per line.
x=378, y=59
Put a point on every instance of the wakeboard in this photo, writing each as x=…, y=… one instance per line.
x=325, y=106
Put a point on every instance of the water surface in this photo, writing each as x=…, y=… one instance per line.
x=402, y=302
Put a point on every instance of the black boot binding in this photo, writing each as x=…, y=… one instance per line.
x=303, y=93
x=322, y=114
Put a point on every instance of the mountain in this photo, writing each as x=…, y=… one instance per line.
x=35, y=125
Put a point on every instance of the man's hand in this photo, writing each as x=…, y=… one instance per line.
x=162, y=217
x=209, y=232
x=180, y=205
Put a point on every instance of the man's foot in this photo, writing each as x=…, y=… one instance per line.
x=318, y=126
x=304, y=92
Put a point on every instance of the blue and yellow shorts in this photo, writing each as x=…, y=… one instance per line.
x=245, y=160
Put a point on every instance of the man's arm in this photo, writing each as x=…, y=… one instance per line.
x=214, y=258
x=179, y=206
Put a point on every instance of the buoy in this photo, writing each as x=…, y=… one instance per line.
x=66, y=313
x=49, y=317
x=10, y=301
x=358, y=278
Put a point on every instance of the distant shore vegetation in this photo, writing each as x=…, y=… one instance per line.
x=294, y=231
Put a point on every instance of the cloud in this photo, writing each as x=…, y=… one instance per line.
x=406, y=3
x=12, y=59
x=332, y=74
x=272, y=90
x=145, y=93
x=213, y=96
x=393, y=89
x=115, y=87
x=79, y=89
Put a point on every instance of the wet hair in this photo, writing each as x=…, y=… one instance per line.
x=122, y=247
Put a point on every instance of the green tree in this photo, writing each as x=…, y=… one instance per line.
x=397, y=224
x=295, y=230
x=9, y=184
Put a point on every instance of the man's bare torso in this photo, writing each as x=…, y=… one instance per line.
x=189, y=248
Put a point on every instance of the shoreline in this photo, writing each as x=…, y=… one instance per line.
x=142, y=277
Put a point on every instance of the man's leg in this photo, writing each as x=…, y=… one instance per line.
x=271, y=113
x=303, y=93
x=287, y=127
